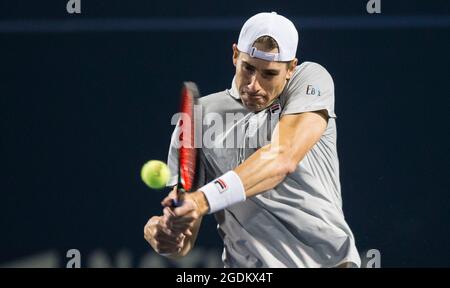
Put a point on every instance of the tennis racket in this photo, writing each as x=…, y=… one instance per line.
x=187, y=153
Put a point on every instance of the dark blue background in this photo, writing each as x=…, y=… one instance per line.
x=81, y=112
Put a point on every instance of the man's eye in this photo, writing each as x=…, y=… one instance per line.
x=248, y=68
x=269, y=75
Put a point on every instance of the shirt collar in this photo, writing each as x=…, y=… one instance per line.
x=233, y=91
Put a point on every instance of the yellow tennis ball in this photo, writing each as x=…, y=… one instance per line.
x=155, y=174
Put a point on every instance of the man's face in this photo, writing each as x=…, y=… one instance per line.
x=259, y=81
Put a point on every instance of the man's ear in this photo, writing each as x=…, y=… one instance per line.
x=291, y=68
x=235, y=54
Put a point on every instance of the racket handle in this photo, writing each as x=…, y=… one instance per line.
x=180, y=197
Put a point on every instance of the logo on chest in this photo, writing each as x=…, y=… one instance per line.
x=275, y=108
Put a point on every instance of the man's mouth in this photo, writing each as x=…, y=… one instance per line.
x=253, y=95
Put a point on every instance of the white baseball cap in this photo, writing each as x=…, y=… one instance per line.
x=281, y=29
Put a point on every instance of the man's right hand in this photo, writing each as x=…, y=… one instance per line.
x=162, y=239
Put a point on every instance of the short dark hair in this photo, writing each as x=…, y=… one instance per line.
x=268, y=42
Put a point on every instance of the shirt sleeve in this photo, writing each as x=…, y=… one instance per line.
x=311, y=88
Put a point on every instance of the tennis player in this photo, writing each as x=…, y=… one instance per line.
x=276, y=194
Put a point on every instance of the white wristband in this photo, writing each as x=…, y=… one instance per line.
x=224, y=191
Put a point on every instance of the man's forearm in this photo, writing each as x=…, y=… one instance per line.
x=257, y=174
x=268, y=166
x=265, y=169
x=292, y=139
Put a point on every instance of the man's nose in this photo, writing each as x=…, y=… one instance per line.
x=254, y=85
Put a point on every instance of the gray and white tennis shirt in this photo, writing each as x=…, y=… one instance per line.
x=299, y=223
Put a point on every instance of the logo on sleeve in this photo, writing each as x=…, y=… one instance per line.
x=312, y=90
x=221, y=185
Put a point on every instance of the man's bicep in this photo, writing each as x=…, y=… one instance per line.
x=297, y=133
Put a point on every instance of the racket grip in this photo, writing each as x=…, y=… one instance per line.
x=180, y=197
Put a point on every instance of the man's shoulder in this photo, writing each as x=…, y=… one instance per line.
x=219, y=102
x=310, y=69
x=309, y=81
x=213, y=97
